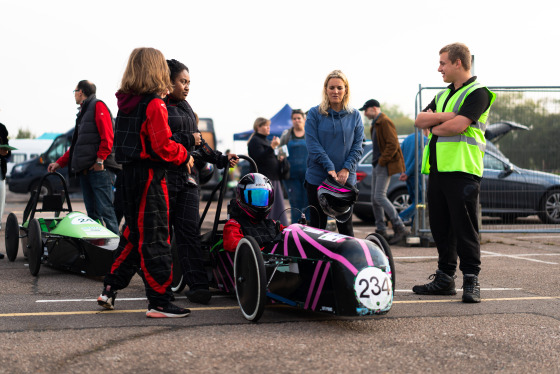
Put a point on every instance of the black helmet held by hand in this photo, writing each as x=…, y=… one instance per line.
x=255, y=195
x=336, y=199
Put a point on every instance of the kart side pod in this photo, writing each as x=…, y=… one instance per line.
x=315, y=270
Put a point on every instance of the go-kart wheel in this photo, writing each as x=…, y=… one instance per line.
x=35, y=246
x=178, y=282
x=12, y=237
x=380, y=240
x=250, y=279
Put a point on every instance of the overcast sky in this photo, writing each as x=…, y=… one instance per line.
x=249, y=58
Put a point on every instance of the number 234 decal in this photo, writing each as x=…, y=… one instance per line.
x=373, y=288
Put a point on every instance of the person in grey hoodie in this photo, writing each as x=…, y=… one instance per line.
x=334, y=134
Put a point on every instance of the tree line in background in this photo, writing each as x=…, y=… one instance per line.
x=403, y=123
x=24, y=134
x=536, y=149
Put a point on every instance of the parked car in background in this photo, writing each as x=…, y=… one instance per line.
x=397, y=192
x=27, y=149
x=506, y=191
x=25, y=176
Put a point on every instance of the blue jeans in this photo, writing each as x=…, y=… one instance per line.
x=379, y=184
x=297, y=195
x=97, y=189
x=410, y=212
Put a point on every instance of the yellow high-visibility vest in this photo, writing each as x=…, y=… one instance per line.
x=462, y=152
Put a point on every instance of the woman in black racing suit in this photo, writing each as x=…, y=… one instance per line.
x=183, y=186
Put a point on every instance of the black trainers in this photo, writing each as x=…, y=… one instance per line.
x=107, y=298
x=441, y=284
x=384, y=234
x=199, y=296
x=400, y=234
x=471, y=289
x=168, y=311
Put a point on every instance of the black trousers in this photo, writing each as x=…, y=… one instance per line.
x=145, y=241
x=184, y=217
x=453, y=208
x=319, y=218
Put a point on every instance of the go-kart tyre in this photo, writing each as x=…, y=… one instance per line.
x=12, y=237
x=250, y=279
x=178, y=282
x=35, y=245
x=378, y=239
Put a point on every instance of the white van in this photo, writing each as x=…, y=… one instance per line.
x=26, y=150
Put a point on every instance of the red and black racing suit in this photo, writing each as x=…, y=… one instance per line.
x=144, y=148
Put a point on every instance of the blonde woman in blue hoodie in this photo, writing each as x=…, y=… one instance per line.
x=334, y=134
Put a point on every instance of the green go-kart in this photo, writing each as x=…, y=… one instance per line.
x=73, y=242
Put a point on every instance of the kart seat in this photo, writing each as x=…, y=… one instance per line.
x=53, y=203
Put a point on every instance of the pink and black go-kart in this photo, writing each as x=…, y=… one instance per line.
x=303, y=267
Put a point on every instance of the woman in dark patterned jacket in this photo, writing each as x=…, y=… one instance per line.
x=183, y=186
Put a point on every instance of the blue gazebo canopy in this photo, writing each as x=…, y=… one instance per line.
x=278, y=123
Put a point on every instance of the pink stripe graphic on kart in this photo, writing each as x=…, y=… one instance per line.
x=329, y=188
x=225, y=268
x=320, y=288
x=286, y=243
x=274, y=248
x=313, y=280
x=230, y=259
x=219, y=276
x=298, y=245
x=366, y=252
x=328, y=253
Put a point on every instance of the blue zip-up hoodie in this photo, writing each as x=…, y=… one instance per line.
x=334, y=142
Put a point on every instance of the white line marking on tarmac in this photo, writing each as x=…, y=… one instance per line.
x=101, y=312
x=490, y=254
x=220, y=296
x=518, y=257
x=119, y=299
x=538, y=237
x=482, y=289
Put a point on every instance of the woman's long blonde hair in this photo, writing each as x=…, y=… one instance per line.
x=146, y=73
x=325, y=104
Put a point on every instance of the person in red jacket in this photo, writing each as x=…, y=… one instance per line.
x=248, y=212
x=144, y=149
x=91, y=155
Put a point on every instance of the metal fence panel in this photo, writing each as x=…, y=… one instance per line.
x=520, y=189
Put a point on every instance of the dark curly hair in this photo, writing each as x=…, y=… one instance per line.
x=175, y=67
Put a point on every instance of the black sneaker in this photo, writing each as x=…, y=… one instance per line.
x=107, y=298
x=199, y=296
x=168, y=311
x=1, y=255
x=384, y=234
x=471, y=289
x=400, y=234
x=441, y=284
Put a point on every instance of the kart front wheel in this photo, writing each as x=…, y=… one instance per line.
x=382, y=243
x=250, y=279
x=35, y=246
x=12, y=237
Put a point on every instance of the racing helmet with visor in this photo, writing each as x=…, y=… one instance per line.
x=336, y=199
x=255, y=195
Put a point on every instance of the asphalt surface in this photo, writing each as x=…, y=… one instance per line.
x=52, y=323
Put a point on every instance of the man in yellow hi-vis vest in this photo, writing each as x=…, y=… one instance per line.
x=456, y=118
